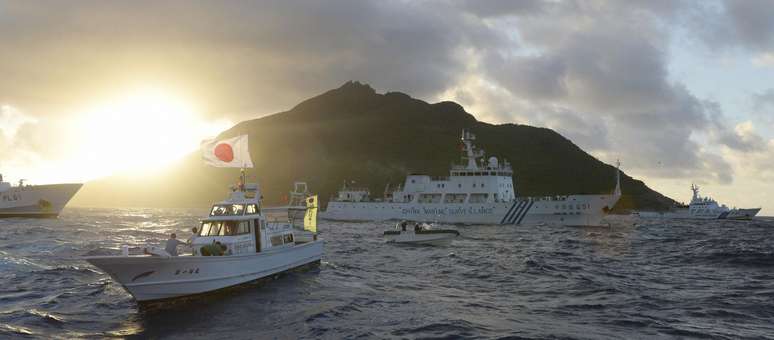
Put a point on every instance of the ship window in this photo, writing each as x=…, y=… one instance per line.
x=482, y=185
x=218, y=210
x=210, y=228
x=276, y=240
x=474, y=185
x=412, y=181
x=205, y=229
x=244, y=228
x=227, y=210
x=251, y=209
x=288, y=238
x=237, y=209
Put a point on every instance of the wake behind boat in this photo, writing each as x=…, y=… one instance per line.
x=478, y=192
x=420, y=234
x=24, y=200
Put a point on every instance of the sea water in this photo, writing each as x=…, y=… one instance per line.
x=632, y=279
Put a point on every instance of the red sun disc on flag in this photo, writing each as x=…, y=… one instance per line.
x=224, y=152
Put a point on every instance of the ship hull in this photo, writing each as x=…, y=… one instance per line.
x=742, y=214
x=734, y=214
x=36, y=200
x=150, y=278
x=581, y=210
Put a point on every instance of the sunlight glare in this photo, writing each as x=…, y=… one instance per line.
x=139, y=132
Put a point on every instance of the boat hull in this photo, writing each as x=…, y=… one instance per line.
x=435, y=238
x=149, y=278
x=742, y=214
x=36, y=200
x=581, y=210
x=685, y=214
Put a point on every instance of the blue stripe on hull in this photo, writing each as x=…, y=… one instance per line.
x=524, y=214
x=516, y=213
x=508, y=213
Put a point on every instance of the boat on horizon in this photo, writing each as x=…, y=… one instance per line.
x=702, y=208
x=248, y=247
x=479, y=191
x=25, y=200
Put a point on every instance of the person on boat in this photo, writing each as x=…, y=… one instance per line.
x=403, y=225
x=195, y=233
x=172, y=244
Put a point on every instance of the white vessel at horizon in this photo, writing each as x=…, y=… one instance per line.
x=476, y=192
x=704, y=208
x=24, y=200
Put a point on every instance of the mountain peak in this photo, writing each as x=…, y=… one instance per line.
x=356, y=86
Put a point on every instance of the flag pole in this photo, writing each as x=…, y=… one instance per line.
x=242, y=179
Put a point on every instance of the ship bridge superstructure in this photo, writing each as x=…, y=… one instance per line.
x=476, y=180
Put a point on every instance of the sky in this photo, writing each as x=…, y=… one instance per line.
x=680, y=91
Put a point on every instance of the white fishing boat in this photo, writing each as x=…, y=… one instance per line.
x=702, y=208
x=252, y=248
x=420, y=234
x=480, y=191
x=235, y=244
x=24, y=200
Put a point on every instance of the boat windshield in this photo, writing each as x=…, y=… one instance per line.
x=227, y=209
x=224, y=228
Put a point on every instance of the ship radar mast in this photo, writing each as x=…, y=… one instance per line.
x=471, y=153
x=695, y=189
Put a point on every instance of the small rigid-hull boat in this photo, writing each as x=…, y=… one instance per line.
x=247, y=247
x=420, y=235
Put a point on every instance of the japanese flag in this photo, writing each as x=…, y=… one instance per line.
x=227, y=153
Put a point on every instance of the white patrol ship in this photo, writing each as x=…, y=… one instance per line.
x=24, y=200
x=704, y=208
x=478, y=192
x=247, y=247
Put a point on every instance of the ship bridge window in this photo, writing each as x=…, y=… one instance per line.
x=224, y=228
x=251, y=209
x=227, y=210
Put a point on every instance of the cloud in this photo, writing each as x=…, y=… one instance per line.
x=733, y=24
x=11, y=120
x=765, y=59
x=596, y=71
x=598, y=74
x=245, y=58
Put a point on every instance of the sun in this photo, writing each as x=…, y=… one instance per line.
x=137, y=132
